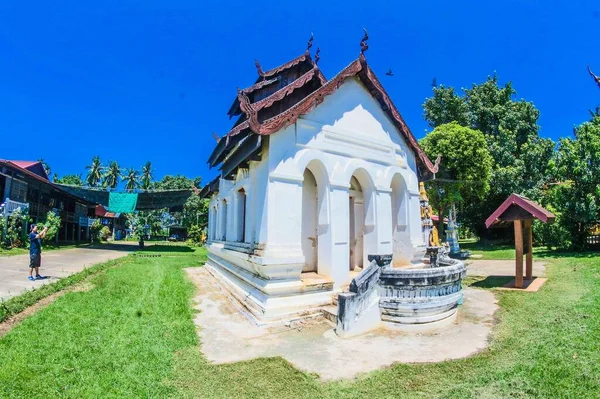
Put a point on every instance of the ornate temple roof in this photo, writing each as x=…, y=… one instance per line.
x=266, y=108
x=595, y=77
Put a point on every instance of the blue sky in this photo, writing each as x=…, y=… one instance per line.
x=151, y=80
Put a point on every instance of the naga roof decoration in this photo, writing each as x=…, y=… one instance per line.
x=595, y=77
x=317, y=55
x=363, y=43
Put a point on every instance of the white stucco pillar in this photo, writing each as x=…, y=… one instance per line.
x=414, y=219
x=284, y=217
x=384, y=221
x=339, y=268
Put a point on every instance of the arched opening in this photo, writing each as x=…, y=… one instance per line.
x=310, y=222
x=357, y=224
x=241, y=216
x=401, y=245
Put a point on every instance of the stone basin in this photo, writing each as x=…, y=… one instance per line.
x=419, y=296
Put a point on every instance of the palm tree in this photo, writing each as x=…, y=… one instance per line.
x=95, y=172
x=112, y=175
x=146, y=177
x=131, y=179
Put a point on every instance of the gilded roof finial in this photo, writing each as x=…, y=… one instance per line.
x=309, y=44
x=259, y=68
x=596, y=78
x=317, y=55
x=363, y=43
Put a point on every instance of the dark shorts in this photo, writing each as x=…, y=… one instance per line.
x=35, y=260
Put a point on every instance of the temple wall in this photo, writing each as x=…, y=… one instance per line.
x=347, y=135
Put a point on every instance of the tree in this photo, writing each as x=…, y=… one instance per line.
x=520, y=155
x=94, y=175
x=465, y=169
x=46, y=166
x=112, y=176
x=71, y=180
x=53, y=223
x=195, y=210
x=131, y=179
x=576, y=169
x=146, y=178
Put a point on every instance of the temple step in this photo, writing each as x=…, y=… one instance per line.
x=330, y=312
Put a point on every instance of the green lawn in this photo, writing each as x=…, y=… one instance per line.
x=133, y=336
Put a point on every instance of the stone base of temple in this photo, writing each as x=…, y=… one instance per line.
x=267, y=301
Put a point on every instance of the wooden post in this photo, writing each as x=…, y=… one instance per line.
x=519, y=253
x=529, y=255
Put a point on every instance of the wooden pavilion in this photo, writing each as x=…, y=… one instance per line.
x=521, y=211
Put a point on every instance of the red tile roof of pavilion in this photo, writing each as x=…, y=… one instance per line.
x=534, y=209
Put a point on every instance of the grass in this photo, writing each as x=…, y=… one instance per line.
x=133, y=336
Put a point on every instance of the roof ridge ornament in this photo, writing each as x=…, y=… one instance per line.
x=317, y=55
x=310, y=43
x=259, y=68
x=596, y=78
x=363, y=43
x=216, y=137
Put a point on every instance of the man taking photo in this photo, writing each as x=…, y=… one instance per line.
x=35, y=251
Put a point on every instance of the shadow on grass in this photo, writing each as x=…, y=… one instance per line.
x=490, y=282
x=166, y=248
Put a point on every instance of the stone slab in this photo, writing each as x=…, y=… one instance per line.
x=532, y=285
x=313, y=346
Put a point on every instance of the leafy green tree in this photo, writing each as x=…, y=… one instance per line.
x=146, y=178
x=71, y=180
x=94, y=176
x=53, y=223
x=112, y=176
x=131, y=179
x=195, y=210
x=576, y=168
x=520, y=155
x=465, y=169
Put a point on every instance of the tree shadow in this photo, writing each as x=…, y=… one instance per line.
x=166, y=248
x=492, y=282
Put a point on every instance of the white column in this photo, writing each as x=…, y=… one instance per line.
x=284, y=217
x=414, y=219
x=384, y=221
x=339, y=268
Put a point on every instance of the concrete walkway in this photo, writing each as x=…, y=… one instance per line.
x=14, y=270
x=313, y=346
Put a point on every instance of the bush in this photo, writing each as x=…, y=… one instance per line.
x=195, y=234
x=104, y=233
x=53, y=223
x=15, y=231
x=95, y=229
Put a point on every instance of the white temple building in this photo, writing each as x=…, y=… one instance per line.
x=315, y=176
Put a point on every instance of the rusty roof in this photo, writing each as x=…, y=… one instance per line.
x=532, y=209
